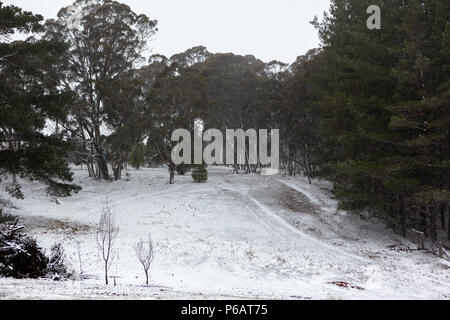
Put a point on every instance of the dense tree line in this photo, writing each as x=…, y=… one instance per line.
x=368, y=110
x=373, y=111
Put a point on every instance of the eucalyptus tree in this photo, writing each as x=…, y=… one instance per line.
x=125, y=118
x=240, y=94
x=298, y=116
x=175, y=101
x=106, y=41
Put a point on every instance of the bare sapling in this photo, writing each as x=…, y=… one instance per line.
x=106, y=235
x=145, y=254
x=79, y=257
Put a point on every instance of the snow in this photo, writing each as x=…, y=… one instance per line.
x=234, y=237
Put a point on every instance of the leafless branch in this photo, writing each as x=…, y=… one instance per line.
x=106, y=235
x=145, y=254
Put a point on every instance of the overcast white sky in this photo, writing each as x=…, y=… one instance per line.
x=267, y=29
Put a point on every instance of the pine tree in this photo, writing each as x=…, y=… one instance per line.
x=30, y=95
x=172, y=100
x=200, y=173
x=384, y=110
x=420, y=117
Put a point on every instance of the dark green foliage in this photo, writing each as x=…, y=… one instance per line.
x=125, y=109
x=13, y=18
x=5, y=217
x=21, y=257
x=299, y=118
x=100, y=62
x=200, y=173
x=137, y=156
x=374, y=112
x=182, y=169
x=175, y=101
x=30, y=262
x=15, y=190
x=30, y=94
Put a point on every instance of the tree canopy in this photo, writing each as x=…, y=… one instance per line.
x=30, y=95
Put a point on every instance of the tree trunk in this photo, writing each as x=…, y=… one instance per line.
x=103, y=167
x=448, y=224
x=402, y=219
x=106, y=274
x=443, y=209
x=90, y=169
x=413, y=217
x=172, y=173
x=433, y=223
x=101, y=158
x=423, y=221
x=116, y=173
x=247, y=162
x=146, y=277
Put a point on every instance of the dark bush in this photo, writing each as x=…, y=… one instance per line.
x=4, y=217
x=182, y=169
x=200, y=173
x=21, y=257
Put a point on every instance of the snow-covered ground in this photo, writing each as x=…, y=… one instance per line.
x=234, y=237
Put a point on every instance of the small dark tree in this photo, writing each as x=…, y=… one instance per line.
x=137, y=156
x=5, y=217
x=182, y=169
x=200, y=173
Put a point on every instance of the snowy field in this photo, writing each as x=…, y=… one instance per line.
x=234, y=237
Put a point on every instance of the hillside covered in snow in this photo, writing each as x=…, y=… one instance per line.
x=234, y=237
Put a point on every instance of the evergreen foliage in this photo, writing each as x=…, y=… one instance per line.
x=383, y=102
x=200, y=173
x=21, y=257
x=30, y=95
x=5, y=217
x=182, y=169
x=137, y=156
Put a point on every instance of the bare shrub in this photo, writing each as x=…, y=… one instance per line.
x=145, y=254
x=79, y=257
x=106, y=235
x=57, y=262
